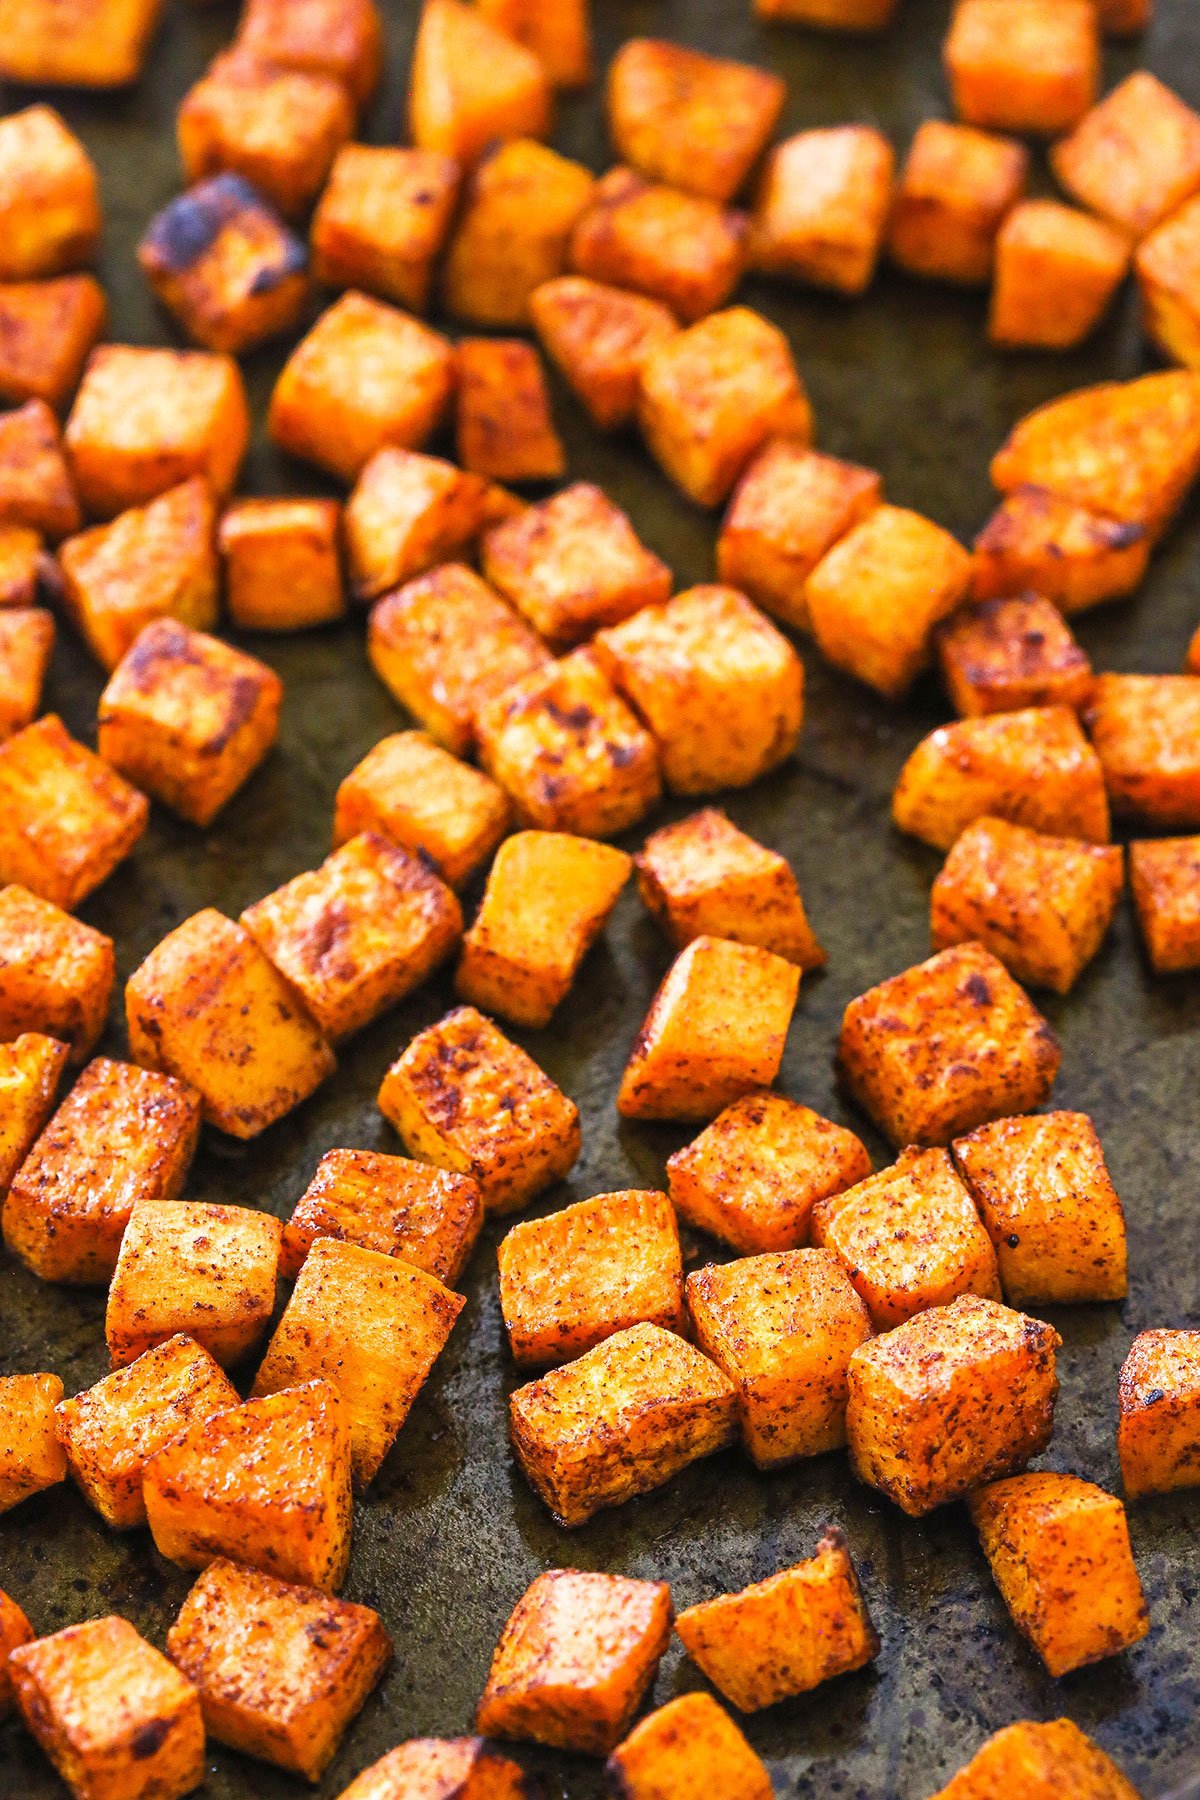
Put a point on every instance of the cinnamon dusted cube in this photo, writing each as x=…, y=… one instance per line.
x=575, y=1660
x=1003, y=655
x=282, y=563
x=66, y=818
x=1167, y=265
x=1146, y=732
x=208, y=1271
x=382, y=221
x=954, y=190
x=1061, y=1557
x=690, y=1747
x=31, y=1457
x=56, y=974
x=465, y=1098
x=783, y=1327
x=598, y=337
x=1041, y=1761
x=715, y=1031
x=472, y=84
x=688, y=252
x=50, y=213
x=1057, y=269
x=522, y=203
x=26, y=641
x=92, y=44
x=1134, y=158
x=620, y=1421
x=15, y=1629
x=1164, y=874
x=505, y=428
x=946, y=1046
x=281, y=1669
x=829, y=15
x=1023, y=65
x=1038, y=543
x=427, y=1217
x=558, y=32
x=407, y=514
x=31, y=1067
x=343, y=38
x=21, y=564
x=822, y=207
x=696, y=122
x=548, y=898
x=36, y=486
x=413, y=793
x=46, y=331
x=426, y=1768
x=956, y=1397
x=1157, y=1436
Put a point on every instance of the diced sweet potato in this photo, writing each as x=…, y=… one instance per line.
x=413, y=793
x=1124, y=18
x=31, y=1457
x=522, y=203
x=1037, y=543
x=382, y=221
x=208, y=1271
x=599, y=337
x=282, y=563
x=66, y=818
x=691, y=1747
x=56, y=975
x=343, y=38
x=15, y=1630
x=471, y=85
x=1135, y=157
x=822, y=207
x=1041, y=1762
x=407, y=514
x=1146, y=732
x=1057, y=269
x=1164, y=874
x=1158, y=1435
x=559, y=33
x=688, y=252
x=26, y=642
x=50, y=213
x=89, y=44
x=505, y=429
x=31, y=1067
x=696, y=122
x=1167, y=264
x=36, y=489
x=954, y=190
x=21, y=566
x=427, y=1217
x=1004, y=655
x=46, y=331
x=1023, y=65
x=441, y=1768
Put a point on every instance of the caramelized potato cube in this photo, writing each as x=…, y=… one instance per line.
x=1003, y=655
x=1040, y=1762
x=282, y=1670
x=1167, y=264
x=1134, y=158
x=685, y=251
x=558, y=32
x=575, y=1660
x=208, y=1271
x=620, y=1421
x=715, y=1031
x=427, y=1217
x=1023, y=65
x=522, y=203
x=696, y=122
x=407, y=514
x=441, y=1769
x=94, y=44
x=472, y=85
x=822, y=207
x=953, y=193
x=1146, y=732
x=56, y=975
x=413, y=793
x=66, y=818
x=828, y=15
x=691, y=1747
x=31, y=1068
x=15, y=1630
x=207, y=1006
x=505, y=429
x=26, y=641
x=599, y=337
x=36, y=489
x=946, y=1046
x=1157, y=1436
x=1164, y=874
x=343, y=38
x=47, y=329
x=50, y=215
x=31, y=1457
x=1057, y=269
x=21, y=564
x=466, y=1099
x=1124, y=18
x=282, y=563
x=382, y=221
x=956, y=1397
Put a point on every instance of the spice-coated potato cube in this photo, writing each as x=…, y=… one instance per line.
x=696, y=122
x=1036, y=542
x=690, y=1747
x=1167, y=264
x=1040, y=1762
x=688, y=252
x=1164, y=874
x=1134, y=158
x=548, y=898
x=1146, y=732
x=26, y=641
x=266, y=1483
x=31, y=1457
x=87, y=44
x=415, y=794
x=598, y=337
x=828, y=15
x=712, y=396
x=1045, y=1195
x=31, y=1068
x=953, y=193
x=783, y=1327
x=1033, y=767
x=721, y=689
x=822, y=207
x=207, y=1006
x=715, y=1031
x=572, y=755
x=1158, y=1436
x=209, y=1271
x=282, y=563
x=15, y=1630
x=50, y=213
x=1023, y=65
x=505, y=428
x=427, y=1217
x=575, y=1660
x=703, y=877
x=1056, y=271
x=110, y=1712
x=47, y=329
x=559, y=34
x=343, y=38
x=56, y=975
x=66, y=818
x=621, y=1420
x=472, y=85
x=441, y=1769
x=946, y=1046
x=382, y=221
x=36, y=488
x=522, y=203
x=960, y=1395
x=281, y=1669
x=466, y=1099
x=408, y=513
x=1004, y=655
x=1123, y=18
x=21, y=565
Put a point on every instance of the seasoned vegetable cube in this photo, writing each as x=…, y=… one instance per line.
x=408, y=513
x=696, y=122
x=441, y=1769
x=413, y=793
x=36, y=488
x=1146, y=732
x=50, y=213
x=687, y=252
x=558, y=32
x=1023, y=65
x=382, y=221
x=56, y=975
x=505, y=429
x=522, y=203
x=953, y=193
x=343, y=38
x=91, y=44
x=1168, y=271
x=1164, y=874
x=209, y=1271
x=1123, y=18
x=1158, y=1436
x=1004, y=655
x=471, y=85
x=1057, y=269
x=427, y=1217
x=46, y=331
x=1135, y=157
x=1041, y=1762
x=282, y=563
x=691, y=1747
x=15, y=1630
x=26, y=642
x=822, y=207
x=31, y=1457
x=66, y=818
x=21, y=563
x=599, y=337
x=31, y=1068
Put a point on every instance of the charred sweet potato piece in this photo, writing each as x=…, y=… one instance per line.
x=1146, y=732
x=505, y=428
x=1038, y=542
x=441, y=1769
x=471, y=85
x=1164, y=874
x=413, y=793
x=1057, y=269
x=56, y=975
x=599, y=337
x=427, y=1217
x=50, y=213
x=36, y=488
x=47, y=329
x=408, y=513
x=15, y=1630
x=694, y=121
x=822, y=207
x=954, y=190
x=207, y=1271
x=26, y=641
x=31, y=1067
x=1135, y=157
x=691, y=1747
x=343, y=38
x=382, y=221
x=66, y=818
x=1158, y=1434
x=88, y=44
x=21, y=566
x=521, y=206
x=688, y=252
x=1042, y=1762
x=282, y=563
x=1023, y=65
x=1167, y=264
x=1003, y=655
x=558, y=32
x=31, y=1457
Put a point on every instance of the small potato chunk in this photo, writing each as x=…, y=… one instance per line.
x=266, y=1483
x=26, y=643
x=441, y=1769
x=343, y=38
x=599, y=337
x=1040, y=1762
x=958, y=1396
x=282, y=564
x=209, y=1271
x=1164, y=874
x=472, y=85
x=31, y=1067
x=110, y=1712
x=207, y=1006
x=822, y=207
x=382, y=221
x=47, y=329
x=1047, y=1200
x=96, y=44
x=50, y=214
x=721, y=689
x=1167, y=264
x=281, y=1670
x=1033, y=767
x=693, y=121
x=1146, y=732
x=413, y=793
x=620, y=1421
x=946, y=1046
x=691, y=1748
x=1158, y=1436
x=522, y=203
x=31, y=1457
x=407, y=514
x=466, y=1099
x=687, y=252
x=783, y=1328
x=559, y=34
x=66, y=818
x=505, y=428
x=1057, y=270
x=715, y=1031
x=21, y=566
x=951, y=199
x=36, y=489
x=1004, y=655
x=56, y=975
x=15, y=1630
x=568, y=750
x=1134, y=158
x=427, y=1217
x=1023, y=65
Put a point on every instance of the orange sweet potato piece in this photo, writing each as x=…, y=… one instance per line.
x=1164, y=874
x=694, y=121
x=1023, y=65
x=56, y=974
x=822, y=207
x=1039, y=542
x=382, y=220
x=521, y=205
x=691, y=1747
x=599, y=337
x=472, y=85
x=427, y=1217
x=686, y=251
x=1005, y=655
x=505, y=428
x=47, y=329
x=1135, y=157
x=1057, y=269
x=66, y=818
x=954, y=190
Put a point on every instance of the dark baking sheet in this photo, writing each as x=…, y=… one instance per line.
x=450, y=1535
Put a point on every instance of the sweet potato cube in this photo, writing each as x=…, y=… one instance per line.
x=282, y=1670
x=207, y=1005
x=382, y=221
x=282, y=563
x=427, y=1217
x=1134, y=158
x=31, y=1068
x=66, y=818
x=90, y=44
x=36, y=489
x=1146, y=732
x=620, y=1421
x=15, y=1630
x=466, y=1099
x=1057, y=269
x=822, y=207
x=548, y=898
x=26, y=642
x=343, y=38
x=413, y=793
x=21, y=564
x=266, y=1483
x=56, y=975
x=505, y=428
x=1041, y=1762
x=1124, y=18
x=783, y=1327
x=1164, y=874
x=1023, y=65
x=721, y=689
x=715, y=1031
x=1158, y=1436
x=568, y=750
x=441, y=1769
x=110, y=1712
x=1045, y=1195
x=1167, y=264
x=691, y=1747
x=31, y=1457
x=209, y=1271
x=522, y=203
x=599, y=337
x=50, y=214
x=110, y=1430
x=472, y=85
x=559, y=34
x=685, y=251
x=696, y=122
x=1033, y=767
x=954, y=190
x=957, y=1396
x=575, y=1660
x=946, y=1046
x=1003, y=655
x=407, y=514
x=46, y=331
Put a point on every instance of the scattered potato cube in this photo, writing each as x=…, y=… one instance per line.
x=599, y=337
x=1146, y=732
x=413, y=793
x=505, y=428
x=1004, y=655
x=956, y=1397
x=1057, y=269
x=1023, y=65
x=282, y=1670
x=427, y=1217
x=21, y=563
x=343, y=38
x=407, y=514
x=36, y=489
x=56, y=975
x=522, y=203
x=47, y=329
x=282, y=563
x=429, y=1768
x=1041, y=1762
x=1167, y=265
x=953, y=193
x=31, y=1067
x=696, y=122
x=382, y=221
x=96, y=44
x=472, y=85
x=26, y=641
x=31, y=1457
x=15, y=1630
x=50, y=215
x=559, y=34
x=1164, y=874
x=1135, y=157
x=691, y=1747
x=1124, y=18
x=1157, y=1435
x=209, y=1271
x=66, y=818
x=685, y=251
x=822, y=207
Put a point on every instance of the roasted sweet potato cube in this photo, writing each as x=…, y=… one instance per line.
x=441, y=1769
x=31, y=1067
x=66, y=818
x=721, y=689
x=466, y=1099
x=21, y=565
x=522, y=203
x=1002, y=655
x=1023, y=65
x=472, y=85
x=1033, y=767
x=505, y=428
x=281, y=1669
x=208, y=1006
x=599, y=337
x=1146, y=732
x=957, y=1396
x=954, y=190
x=946, y=1046
x=568, y=750
x=266, y=1484
x=91, y=44
x=696, y=122
x=382, y=221
x=1134, y=158
x=56, y=975
x=36, y=489
x=282, y=563
x=1057, y=269
x=822, y=207
x=46, y=331
x=407, y=514
x=343, y=38
x=15, y=1630
x=559, y=34
x=1041, y=1762
x=26, y=641
x=1167, y=264
x=208, y=1271
x=31, y=1457
x=1164, y=874
x=427, y=1217
x=50, y=213
x=621, y=1420
x=685, y=251
x=691, y=1747
x=575, y=1660
x=1123, y=18
x=715, y=1031
x=413, y=793
x=548, y=898
x=1158, y=1436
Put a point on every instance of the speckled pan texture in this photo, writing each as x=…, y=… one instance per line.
x=450, y=1535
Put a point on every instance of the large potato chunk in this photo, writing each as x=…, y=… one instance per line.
x=599, y=337
x=1023, y=65
x=427, y=1217
x=1040, y=1762
x=282, y=563
x=1038, y=542
x=1146, y=732
x=522, y=203
x=1135, y=157
x=36, y=488
x=686, y=1750
x=1164, y=874
x=207, y=1271
x=1005, y=655
x=441, y=1769
x=31, y=1456
x=56, y=975
x=471, y=85
x=47, y=329
x=696, y=122
x=413, y=793
x=50, y=213
x=66, y=818
x=687, y=252
x=382, y=221
x=822, y=207
x=1158, y=1435
x=30, y=1070
x=955, y=188
x=343, y=38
